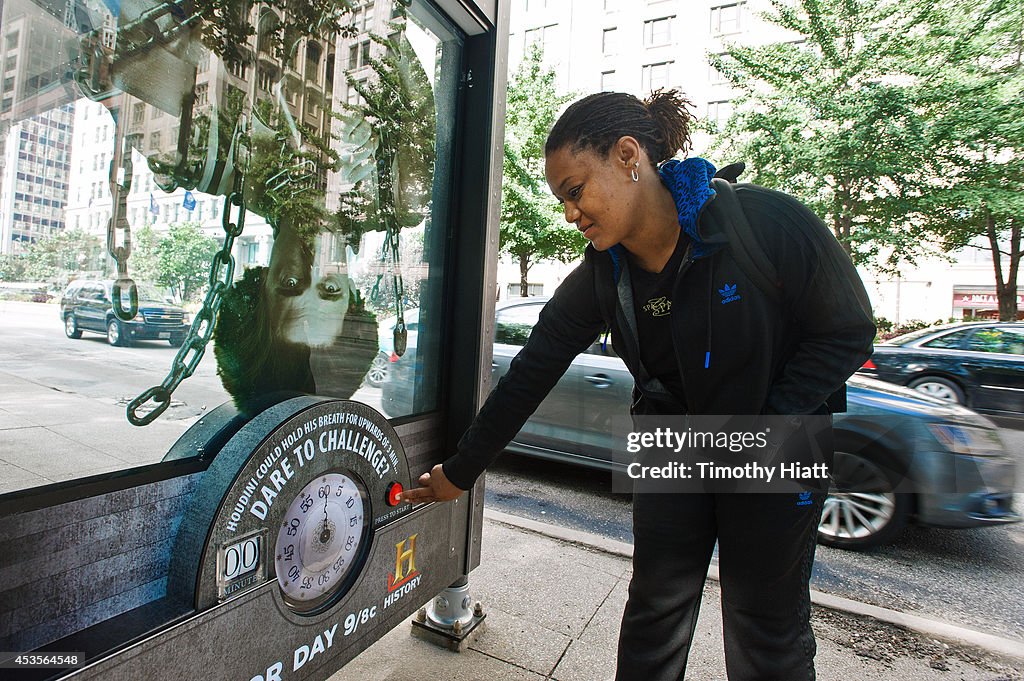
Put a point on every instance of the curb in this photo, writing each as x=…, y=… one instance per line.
x=921, y=625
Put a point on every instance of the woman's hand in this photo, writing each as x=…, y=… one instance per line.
x=434, y=486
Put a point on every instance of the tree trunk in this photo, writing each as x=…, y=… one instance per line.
x=1008, y=295
x=524, y=270
x=842, y=223
x=1006, y=290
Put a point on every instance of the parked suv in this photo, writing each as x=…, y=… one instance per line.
x=87, y=306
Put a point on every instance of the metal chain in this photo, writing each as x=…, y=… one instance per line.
x=120, y=181
x=222, y=272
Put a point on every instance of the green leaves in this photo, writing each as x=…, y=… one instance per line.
x=532, y=226
x=182, y=259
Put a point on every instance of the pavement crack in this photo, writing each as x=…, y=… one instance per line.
x=598, y=609
x=559, y=661
x=510, y=662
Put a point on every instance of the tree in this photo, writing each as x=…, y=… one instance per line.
x=830, y=119
x=532, y=227
x=62, y=255
x=971, y=86
x=183, y=259
x=12, y=267
x=144, y=263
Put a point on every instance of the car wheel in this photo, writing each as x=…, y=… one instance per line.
x=176, y=341
x=115, y=333
x=861, y=509
x=939, y=388
x=378, y=371
x=71, y=329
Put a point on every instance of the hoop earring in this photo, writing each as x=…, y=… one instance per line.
x=633, y=174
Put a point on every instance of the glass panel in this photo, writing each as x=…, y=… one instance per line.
x=950, y=340
x=321, y=163
x=1006, y=341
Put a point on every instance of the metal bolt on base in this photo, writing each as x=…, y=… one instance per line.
x=451, y=619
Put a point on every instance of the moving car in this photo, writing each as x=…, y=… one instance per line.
x=901, y=456
x=386, y=356
x=979, y=365
x=87, y=305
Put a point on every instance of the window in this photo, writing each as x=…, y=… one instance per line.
x=655, y=76
x=658, y=32
x=238, y=69
x=544, y=35
x=608, y=81
x=715, y=76
x=726, y=18
x=313, y=53
x=609, y=41
x=949, y=340
x=720, y=112
x=513, y=325
x=204, y=62
x=352, y=96
x=157, y=113
x=264, y=79
x=202, y=94
x=154, y=141
x=999, y=340
x=12, y=41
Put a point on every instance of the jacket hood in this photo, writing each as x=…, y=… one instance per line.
x=689, y=181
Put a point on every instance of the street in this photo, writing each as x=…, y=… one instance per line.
x=966, y=577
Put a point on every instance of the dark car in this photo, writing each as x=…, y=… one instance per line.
x=87, y=306
x=900, y=456
x=979, y=365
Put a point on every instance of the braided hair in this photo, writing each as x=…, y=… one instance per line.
x=661, y=124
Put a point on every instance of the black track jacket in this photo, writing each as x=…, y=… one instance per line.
x=739, y=350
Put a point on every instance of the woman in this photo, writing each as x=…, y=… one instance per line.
x=699, y=337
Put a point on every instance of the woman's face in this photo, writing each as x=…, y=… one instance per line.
x=308, y=295
x=597, y=193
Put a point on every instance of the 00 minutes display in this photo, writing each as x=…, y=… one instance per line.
x=319, y=540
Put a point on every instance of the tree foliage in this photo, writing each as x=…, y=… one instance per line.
x=532, y=226
x=183, y=260
x=829, y=119
x=62, y=256
x=897, y=122
x=971, y=89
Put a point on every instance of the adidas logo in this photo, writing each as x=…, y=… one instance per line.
x=728, y=293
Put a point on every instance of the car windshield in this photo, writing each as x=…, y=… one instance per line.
x=151, y=294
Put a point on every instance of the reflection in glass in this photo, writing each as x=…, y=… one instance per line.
x=146, y=141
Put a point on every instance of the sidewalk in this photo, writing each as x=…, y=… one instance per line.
x=553, y=609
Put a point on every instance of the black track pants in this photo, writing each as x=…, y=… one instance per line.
x=766, y=549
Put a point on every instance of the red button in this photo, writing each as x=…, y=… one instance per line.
x=394, y=489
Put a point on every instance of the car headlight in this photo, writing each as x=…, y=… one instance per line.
x=967, y=440
x=187, y=318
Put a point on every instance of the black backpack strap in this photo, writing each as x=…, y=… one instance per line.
x=743, y=243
